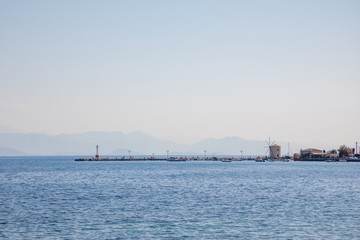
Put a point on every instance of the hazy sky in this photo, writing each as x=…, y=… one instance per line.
x=183, y=70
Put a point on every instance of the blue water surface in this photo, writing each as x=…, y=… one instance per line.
x=58, y=198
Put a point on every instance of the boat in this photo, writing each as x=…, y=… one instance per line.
x=259, y=159
x=173, y=159
x=226, y=160
x=351, y=159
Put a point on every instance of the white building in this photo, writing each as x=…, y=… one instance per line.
x=275, y=151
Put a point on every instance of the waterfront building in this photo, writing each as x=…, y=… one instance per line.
x=311, y=153
x=275, y=151
x=316, y=154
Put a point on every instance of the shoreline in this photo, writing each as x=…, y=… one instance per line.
x=183, y=159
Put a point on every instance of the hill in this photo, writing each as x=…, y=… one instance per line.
x=118, y=143
x=10, y=152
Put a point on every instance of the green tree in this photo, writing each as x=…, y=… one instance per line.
x=334, y=151
x=344, y=150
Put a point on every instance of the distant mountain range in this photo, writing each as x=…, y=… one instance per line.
x=10, y=152
x=119, y=143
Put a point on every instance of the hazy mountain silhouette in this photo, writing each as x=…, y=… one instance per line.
x=118, y=143
x=227, y=145
x=10, y=152
x=84, y=143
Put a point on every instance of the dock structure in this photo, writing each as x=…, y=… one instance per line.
x=310, y=154
x=152, y=158
x=97, y=158
x=118, y=159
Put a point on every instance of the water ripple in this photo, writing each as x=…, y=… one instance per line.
x=59, y=198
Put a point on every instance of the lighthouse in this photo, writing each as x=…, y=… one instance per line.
x=97, y=152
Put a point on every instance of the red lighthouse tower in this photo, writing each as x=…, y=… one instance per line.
x=97, y=152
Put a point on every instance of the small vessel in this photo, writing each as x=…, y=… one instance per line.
x=351, y=159
x=226, y=160
x=174, y=159
x=259, y=159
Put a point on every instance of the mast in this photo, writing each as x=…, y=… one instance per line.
x=288, y=149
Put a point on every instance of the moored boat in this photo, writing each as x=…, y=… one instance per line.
x=351, y=159
x=259, y=159
x=226, y=160
x=173, y=159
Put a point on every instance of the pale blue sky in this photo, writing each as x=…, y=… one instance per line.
x=183, y=70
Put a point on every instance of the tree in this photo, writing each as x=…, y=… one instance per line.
x=344, y=151
x=334, y=151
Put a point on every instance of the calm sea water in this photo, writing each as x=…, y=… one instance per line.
x=58, y=198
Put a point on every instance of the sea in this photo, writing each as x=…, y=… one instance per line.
x=58, y=198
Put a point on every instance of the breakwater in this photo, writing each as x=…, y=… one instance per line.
x=223, y=159
x=172, y=159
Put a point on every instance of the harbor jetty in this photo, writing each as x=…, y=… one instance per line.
x=118, y=159
x=171, y=159
x=97, y=158
x=310, y=154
